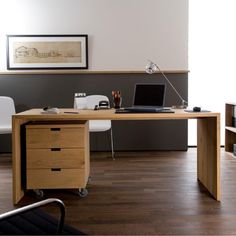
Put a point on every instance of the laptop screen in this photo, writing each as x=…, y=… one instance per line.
x=149, y=95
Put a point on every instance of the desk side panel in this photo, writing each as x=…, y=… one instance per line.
x=208, y=154
x=18, y=191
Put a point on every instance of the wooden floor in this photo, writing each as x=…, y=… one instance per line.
x=153, y=193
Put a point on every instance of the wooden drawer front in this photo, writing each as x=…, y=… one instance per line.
x=48, y=179
x=55, y=158
x=55, y=137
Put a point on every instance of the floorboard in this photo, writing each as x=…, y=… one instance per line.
x=154, y=193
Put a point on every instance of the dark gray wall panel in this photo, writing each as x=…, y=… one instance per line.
x=36, y=91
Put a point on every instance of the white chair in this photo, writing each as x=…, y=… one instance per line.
x=7, y=109
x=99, y=125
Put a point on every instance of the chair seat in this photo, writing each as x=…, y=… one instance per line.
x=99, y=125
x=5, y=129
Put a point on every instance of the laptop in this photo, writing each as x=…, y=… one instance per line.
x=148, y=98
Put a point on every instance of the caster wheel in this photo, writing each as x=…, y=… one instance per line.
x=83, y=192
x=39, y=193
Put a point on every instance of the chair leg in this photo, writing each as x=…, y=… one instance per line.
x=112, y=146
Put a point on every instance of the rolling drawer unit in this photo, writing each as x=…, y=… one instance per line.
x=57, y=156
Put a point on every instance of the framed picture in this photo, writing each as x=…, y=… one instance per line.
x=47, y=52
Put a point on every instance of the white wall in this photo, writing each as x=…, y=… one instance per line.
x=212, y=51
x=122, y=33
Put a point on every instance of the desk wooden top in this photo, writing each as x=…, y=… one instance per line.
x=110, y=114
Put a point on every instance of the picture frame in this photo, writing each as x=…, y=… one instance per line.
x=37, y=52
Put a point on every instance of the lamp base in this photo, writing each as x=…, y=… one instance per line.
x=179, y=107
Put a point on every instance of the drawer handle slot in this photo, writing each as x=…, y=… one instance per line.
x=55, y=169
x=55, y=129
x=55, y=149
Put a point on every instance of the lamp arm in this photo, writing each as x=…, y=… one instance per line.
x=183, y=101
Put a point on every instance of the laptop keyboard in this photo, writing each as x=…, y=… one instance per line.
x=124, y=110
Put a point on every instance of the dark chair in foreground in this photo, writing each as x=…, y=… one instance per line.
x=30, y=220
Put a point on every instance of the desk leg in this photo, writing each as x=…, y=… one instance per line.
x=208, y=154
x=17, y=190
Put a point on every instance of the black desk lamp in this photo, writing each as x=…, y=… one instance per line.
x=151, y=68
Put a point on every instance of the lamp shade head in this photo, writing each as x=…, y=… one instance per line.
x=151, y=67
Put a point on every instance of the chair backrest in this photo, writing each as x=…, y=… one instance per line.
x=93, y=100
x=7, y=109
x=97, y=125
x=36, y=222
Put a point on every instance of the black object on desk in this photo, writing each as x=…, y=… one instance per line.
x=197, y=109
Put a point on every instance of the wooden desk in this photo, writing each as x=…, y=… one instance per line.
x=208, y=140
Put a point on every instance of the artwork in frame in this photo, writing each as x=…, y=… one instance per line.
x=30, y=52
